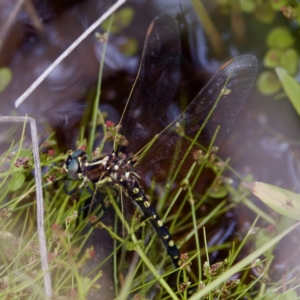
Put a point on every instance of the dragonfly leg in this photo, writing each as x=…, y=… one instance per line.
x=96, y=198
x=82, y=184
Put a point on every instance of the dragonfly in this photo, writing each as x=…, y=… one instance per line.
x=147, y=115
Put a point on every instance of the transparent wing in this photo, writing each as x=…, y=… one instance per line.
x=217, y=104
x=155, y=85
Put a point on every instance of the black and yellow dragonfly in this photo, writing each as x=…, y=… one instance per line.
x=147, y=114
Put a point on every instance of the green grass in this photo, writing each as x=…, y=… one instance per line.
x=21, y=276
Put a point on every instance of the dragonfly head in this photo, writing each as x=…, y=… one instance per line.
x=74, y=162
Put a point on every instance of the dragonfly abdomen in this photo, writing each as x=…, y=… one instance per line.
x=118, y=170
x=137, y=194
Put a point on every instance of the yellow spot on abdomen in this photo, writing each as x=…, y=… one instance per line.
x=135, y=190
x=160, y=223
x=171, y=243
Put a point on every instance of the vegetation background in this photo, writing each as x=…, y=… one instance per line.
x=237, y=247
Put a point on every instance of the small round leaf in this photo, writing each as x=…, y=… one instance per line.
x=18, y=182
x=247, y=6
x=268, y=83
x=264, y=13
x=5, y=78
x=272, y=58
x=218, y=192
x=280, y=38
x=289, y=61
x=278, y=4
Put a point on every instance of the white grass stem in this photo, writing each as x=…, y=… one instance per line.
x=39, y=199
x=94, y=26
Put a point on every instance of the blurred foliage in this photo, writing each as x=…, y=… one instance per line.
x=264, y=10
x=281, y=54
x=5, y=78
x=280, y=41
x=291, y=87
x=122, y=20
x=268, y=83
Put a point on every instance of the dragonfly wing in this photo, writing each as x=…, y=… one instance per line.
x=155, y=85
x=217, y=104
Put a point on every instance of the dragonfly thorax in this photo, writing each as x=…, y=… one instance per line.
x=109, y=168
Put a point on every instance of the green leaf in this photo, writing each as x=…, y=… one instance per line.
x=280, y=38
x=268, y=83
x=25, y=152
x=218, y=192
x=129, y=47
x=282, y=201
x=247, y=6
x=131, y=246
x=264, y=13
x=290, y=295
x=277, y=4
x=18, y=182
x=291, y=87
x=270, y=295
x=5, y=78
x=122, y=19
x=272, y=58
x=262, y=238
x=289, y=61
x=86, y=283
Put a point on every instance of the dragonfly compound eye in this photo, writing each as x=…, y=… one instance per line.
x=78, y=153
x=74, y=168
x=67, y=162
